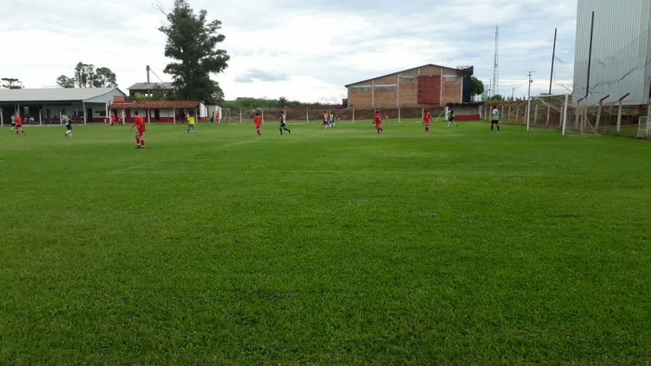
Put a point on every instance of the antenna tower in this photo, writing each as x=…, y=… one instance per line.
x=496, y=64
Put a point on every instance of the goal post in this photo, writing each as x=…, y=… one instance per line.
x=558, y=112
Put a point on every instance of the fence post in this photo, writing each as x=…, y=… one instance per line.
x=565, y=114
x=619, y=117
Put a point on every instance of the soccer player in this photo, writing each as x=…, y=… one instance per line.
x=113, y=118
x=283, y=123
x=191, y=123
x=496, y=119
x=377, y=118
x=333, y=118
x=139, y=123
x=427, y=119
x=19, y=124
x=326, y=119
x=451, y=118
x=68, y=122
x=257, y=120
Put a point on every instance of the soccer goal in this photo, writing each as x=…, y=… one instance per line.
x=558, y=112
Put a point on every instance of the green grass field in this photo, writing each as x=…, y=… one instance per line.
x=325, y=247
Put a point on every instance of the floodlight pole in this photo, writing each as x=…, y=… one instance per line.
x=551, y=74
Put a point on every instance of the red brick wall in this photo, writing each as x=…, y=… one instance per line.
x=382, y=92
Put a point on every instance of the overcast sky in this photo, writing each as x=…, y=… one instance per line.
x=302, y=50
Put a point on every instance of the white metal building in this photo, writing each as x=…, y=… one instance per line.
x=85, y=105
x=620, y=61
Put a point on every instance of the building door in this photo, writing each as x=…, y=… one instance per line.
x=429, y=89
x=89, y=115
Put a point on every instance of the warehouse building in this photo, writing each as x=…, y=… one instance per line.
x=425, y=86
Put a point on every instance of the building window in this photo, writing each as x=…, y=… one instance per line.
x=385, y=87
x=361, y=88
x=102, y=113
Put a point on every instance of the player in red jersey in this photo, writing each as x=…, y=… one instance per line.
x=377, y=117
x=427, y=119
x=139, y=123
x=19, y=124
x=257, y=120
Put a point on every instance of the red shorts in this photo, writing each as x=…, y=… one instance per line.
x=257, y=126
x=140, y=132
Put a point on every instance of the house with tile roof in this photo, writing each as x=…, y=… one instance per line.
x=165, y=111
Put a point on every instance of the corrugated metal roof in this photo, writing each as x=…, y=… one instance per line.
x=150, y=86
x=467, y=69
x=53, y=94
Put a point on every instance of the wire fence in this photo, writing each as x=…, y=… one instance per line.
x=549, y=112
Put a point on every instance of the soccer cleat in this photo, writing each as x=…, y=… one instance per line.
x=138, y=146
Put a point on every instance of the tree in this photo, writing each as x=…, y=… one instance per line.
x=476, y=86
x=104, y=78
x=192, y=40
x=65, y=82
x=86, y=76
x=12, y=83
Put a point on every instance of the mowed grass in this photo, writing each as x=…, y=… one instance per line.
x=336, y=246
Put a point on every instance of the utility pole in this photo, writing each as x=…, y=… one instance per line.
x=529, y=99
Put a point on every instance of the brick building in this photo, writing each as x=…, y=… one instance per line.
x=424, y=86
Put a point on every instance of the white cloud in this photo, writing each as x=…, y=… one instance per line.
x=304, y=51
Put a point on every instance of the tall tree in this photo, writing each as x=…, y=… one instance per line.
x=65, y=82
x=86, y=76
x=12, y=83
x=104, y=78
x=192, y=40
